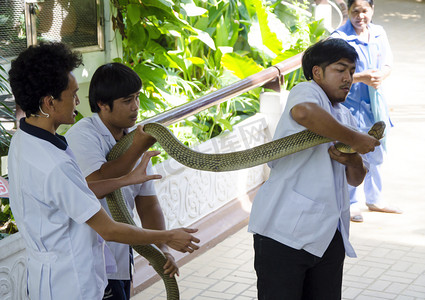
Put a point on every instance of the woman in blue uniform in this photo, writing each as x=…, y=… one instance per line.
x=366, y=99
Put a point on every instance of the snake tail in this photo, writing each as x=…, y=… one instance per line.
x=154, y=255
x=120, y=213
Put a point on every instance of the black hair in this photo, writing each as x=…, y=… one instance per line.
x=351, y=2
x=39, y=71
x=326, y=52
x=110, y=82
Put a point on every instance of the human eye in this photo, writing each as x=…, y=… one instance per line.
x=135, y=96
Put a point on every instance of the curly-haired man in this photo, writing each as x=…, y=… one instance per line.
x=56, y=212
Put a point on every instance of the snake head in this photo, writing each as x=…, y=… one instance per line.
x=377, y=130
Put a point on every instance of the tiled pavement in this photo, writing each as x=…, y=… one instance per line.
x=390, y=248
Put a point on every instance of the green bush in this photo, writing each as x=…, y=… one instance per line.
x=5, y=136
x=184, y=49
x=7, y=222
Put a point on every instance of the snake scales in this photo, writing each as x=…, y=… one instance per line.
x=210, y=162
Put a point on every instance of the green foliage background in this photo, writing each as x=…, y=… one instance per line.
x=5, y=136
x=183, y=49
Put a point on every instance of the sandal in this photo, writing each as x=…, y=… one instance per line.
x=358, y=218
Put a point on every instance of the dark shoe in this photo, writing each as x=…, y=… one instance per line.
x=385, y=209
x=358, y=218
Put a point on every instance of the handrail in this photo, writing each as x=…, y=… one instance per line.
x=267, y=76
x=338, y=11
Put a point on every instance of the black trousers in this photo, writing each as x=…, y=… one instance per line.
x=285, y=273
x=119, y=289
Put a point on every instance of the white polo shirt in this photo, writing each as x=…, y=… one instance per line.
x=305, y=199
x=51, y=202
x=91, y=141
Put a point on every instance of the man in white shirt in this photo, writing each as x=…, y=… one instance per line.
x=55, y=210
x=300, y=216
x=114, y=101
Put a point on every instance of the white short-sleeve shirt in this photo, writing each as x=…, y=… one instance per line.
x=91, y=141
x=51, y=202
x=305, y=199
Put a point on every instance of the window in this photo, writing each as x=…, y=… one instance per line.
x=12, y=28
x=74, y=22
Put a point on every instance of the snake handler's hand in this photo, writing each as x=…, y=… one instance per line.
x=138, y=175
x=182, y=240
x=363, y=142
x=353, y=162
x=142, y=140
x=170, y=266
x=347, y=159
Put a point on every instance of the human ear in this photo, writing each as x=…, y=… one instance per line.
x=102, y=106
x=317, y=72
x=47, y=102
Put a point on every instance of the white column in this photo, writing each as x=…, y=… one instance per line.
x=272, y=105
x=324, y=11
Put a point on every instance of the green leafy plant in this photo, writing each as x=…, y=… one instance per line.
x=278, y=31
x=3, y=80
x=5, y=135
x=184, y=49
x=7, y=221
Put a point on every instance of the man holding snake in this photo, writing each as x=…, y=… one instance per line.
x=114, y=101
x=300, y=216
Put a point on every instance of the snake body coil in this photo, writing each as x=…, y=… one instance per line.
x=119, y=212
x=210, y=162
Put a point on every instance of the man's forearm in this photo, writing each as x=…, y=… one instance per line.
x=151, y=215
x=101, y=188
x=356, y=171
x=316, y=119
x=116, y=168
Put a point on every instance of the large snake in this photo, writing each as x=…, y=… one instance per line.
x=210, y=162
